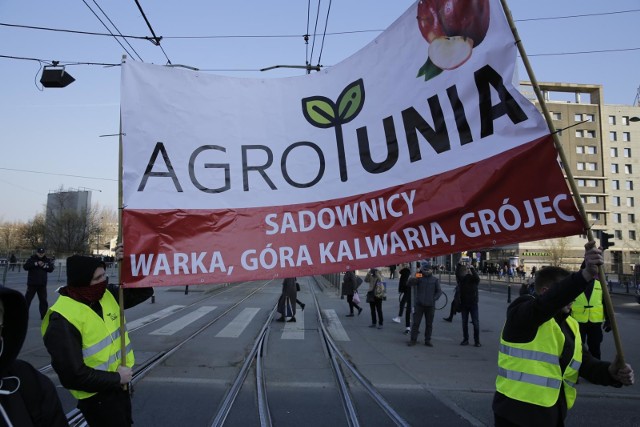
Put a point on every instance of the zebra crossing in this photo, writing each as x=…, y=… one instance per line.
x=238, y=324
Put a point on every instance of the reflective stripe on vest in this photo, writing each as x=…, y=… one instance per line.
x=591, y=310
x=530, y=372
x=100, y=336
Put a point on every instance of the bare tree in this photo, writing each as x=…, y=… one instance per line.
x=558, y=251
x=9, y=237
x=68, y=228
x=33, y=232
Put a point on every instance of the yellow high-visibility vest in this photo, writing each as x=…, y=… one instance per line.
x=591, y=310
x=100, y=336
x=530, y=372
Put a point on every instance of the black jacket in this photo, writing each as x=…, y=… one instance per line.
x=524, y=316
x=34, y=402
x=64, y=343
x=37, y=275
x=468, y=288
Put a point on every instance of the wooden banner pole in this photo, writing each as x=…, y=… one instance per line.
x=567, y=169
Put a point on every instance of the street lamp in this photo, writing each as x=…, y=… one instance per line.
x=55, y=76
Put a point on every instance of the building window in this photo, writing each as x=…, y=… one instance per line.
x=612, y=120
x=632, y=234
x=613, y=136
x=615, y=184
x=591, y=149
x=630, y=202
x=590, y=134
x=627, y=152
x=589, y=117
x=617, y=218
x=614, y=168
x=592, y=183
x=591, y=166
x=615, y=200
x=614, y=152
x=628, y=169
x=577, y=117
x=580, y=166
x=579, y=149
x=631, y=218
x=628, y=185
x=625, y=120
x=581, y=182
x=592, y=199
x=594, y=216
x=618, y=234
x=579, y=133
x=626, y=136
x=556, y=116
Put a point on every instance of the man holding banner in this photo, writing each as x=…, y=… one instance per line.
x=82, y=333
x=541, y=353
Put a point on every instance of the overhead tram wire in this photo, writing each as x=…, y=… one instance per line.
x=156, y=39
x=306, y=36
x=326, y=22
x=107, y=28
x=315, y=31
x=119, y=32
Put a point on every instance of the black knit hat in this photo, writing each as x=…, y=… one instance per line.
x=80, y=269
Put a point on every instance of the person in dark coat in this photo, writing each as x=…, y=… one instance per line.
x=78, y=333
x=27, y=397
x=427, y=291
x=541, y=349
x=349, y=287
x=468, y=290
x=287, y=300
x=38, y=267
x=12, y=262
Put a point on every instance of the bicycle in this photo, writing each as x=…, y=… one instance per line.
x=442, y=301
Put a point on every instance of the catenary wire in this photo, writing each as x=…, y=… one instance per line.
x=315, y=31
x=326, y=22
x=153, y=33
x=57, y=174
x=118, y=30
x=106, y=27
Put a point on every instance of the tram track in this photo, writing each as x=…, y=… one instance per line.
x=75, y=418
x=339, y=364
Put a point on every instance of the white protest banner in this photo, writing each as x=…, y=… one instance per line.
x=416, y=146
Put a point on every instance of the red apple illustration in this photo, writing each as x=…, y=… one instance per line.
x=452, y=28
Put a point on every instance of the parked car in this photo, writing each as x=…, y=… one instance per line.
x=4, y=261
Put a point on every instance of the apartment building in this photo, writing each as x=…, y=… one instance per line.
x=602, y=147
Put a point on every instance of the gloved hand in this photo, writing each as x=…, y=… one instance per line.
x=606, y=326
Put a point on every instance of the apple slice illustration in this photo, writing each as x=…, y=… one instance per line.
x=452, y=28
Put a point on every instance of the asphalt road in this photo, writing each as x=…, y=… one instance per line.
x=446, y=385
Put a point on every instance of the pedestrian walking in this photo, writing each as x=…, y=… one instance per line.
x=12, y=262
x=81, y=332
x=287, y=301
x=469, y=304
x=38, y=266
x=349, y=288
x=541, y=353
x=375, y=295
x=27, y=397
x=392, y=271
x=405, y=298
x=427, y=291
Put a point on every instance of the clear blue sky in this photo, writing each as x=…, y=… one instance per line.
x=55, y=133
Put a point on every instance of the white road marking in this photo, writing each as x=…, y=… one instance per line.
x=184, y=321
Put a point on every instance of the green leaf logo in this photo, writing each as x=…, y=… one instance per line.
x=323, y=113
